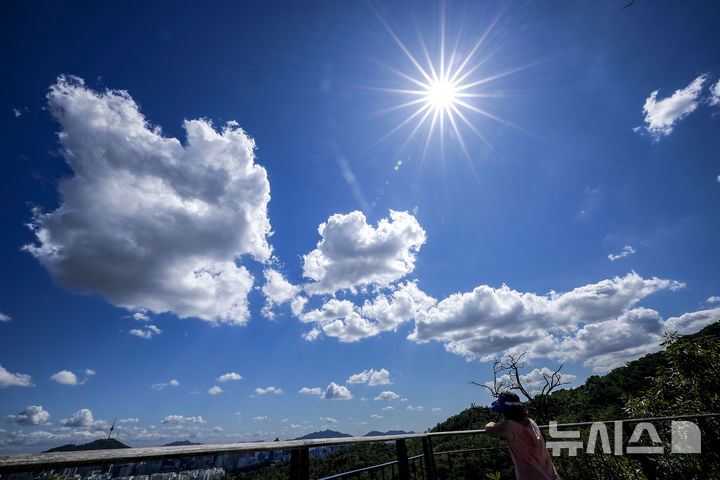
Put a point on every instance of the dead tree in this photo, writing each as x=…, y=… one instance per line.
x=507, y=376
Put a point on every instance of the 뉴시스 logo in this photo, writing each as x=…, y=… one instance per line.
x=685, y=438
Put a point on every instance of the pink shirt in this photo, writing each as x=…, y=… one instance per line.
x=529, y=453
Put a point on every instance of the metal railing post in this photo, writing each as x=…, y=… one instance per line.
x=402, y=457
x=300, y=464
x=429, y=459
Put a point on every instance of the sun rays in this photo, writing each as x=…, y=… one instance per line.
x=443, y=93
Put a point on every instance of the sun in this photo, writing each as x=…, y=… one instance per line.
x=441, y=95
x=445, y=91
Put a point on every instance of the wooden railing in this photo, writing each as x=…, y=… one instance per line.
x=299, y=460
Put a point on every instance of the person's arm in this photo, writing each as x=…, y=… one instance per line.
x=499, y=430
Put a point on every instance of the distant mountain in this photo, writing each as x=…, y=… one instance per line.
x=323, y=434
x=104, y=444
x=181, y=443
x=375, y=433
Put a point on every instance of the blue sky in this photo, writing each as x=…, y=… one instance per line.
x=230, y=223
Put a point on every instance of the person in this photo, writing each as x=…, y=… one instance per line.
x=524, y=440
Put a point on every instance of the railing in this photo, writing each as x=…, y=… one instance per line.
x=300, y=457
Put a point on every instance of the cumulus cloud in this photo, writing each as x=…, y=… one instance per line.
x=129, y=420
x=418, y=408
x=715, y=94
x=89, y=372
x=352, y=253
x=311, y=391
x=693, y=321
x=337, y=392
x=227, y=377
x=260, y=418
x=146, y=332
x=437, y=409
x=179, y=419
x=388, y=408
x=298, y=305
x=277, y=291
x=372, y=377
x=214, y=390
x=147, y=222
x=713, y=299
x=4, y=318
x=487, y=321
x=31, y=416
x=347, y=322
x=376, y=416
x=8, y=379
x=626, y=251
x=387, y=395
x=81, y=419
x=339, y=318
x=161, y=386
x=270, y=389
x=66, y=377
x=662, y=115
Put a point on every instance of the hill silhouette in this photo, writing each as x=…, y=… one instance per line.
x=323, y=434
x=102, y=444
x=375, y=433
x=181, y=443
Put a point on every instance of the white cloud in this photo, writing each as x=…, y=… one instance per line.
x=338, y=318
x=337, y=392
x=214, y=390
x=179, y=419
x=372, y=377
x=82, y=418
x=328, y=420
x=277, y=291
x=713, y=299
x=352, y=253
x=388, y=408
x=387, y=395
x=260, y=418
x=89, y=372
x=662, y=115
x=418, y=408
x=437, y=409
x=147, y=222
x=487, y=322
x=348, y=323
x=693, y=321
x=161, y=386
x=8, y=379
x=227, y=377
x=4, y=318
x=311, y=391
x=626, y=251
x=298, y=305
x=129, y=420
x=376, y=416
x=65, y=377
x=715, y=94
x=32, y=415
x=141, y=316
x=270, y=389
x=146, y=332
